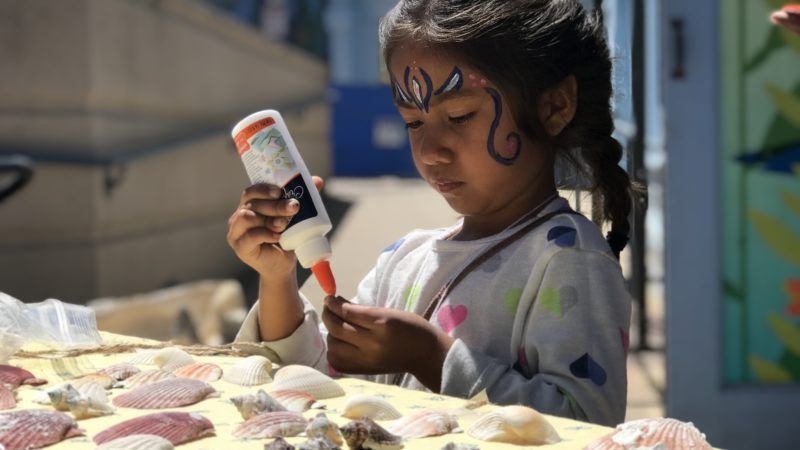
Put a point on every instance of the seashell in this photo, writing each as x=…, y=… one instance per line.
x=8, y=399
x=171, y=358
x=176, y=427
x=84, y=407
x=146, y=377
x=323, y=427
x=430, y=422
x=138, y=442
x=279, y=444
x=251, y=371
x=100, y=378
x=58, y=396
x=653, y=433
x=17, y=376
x=169, y=393
x=199, y=371
x=120, y=371
x=250, y=405
x=270, y=425
x=34, y=428
x=297, y=401
x=303, y=378
x=142, y=357
x=376, y=408
x=318, y=443
x=459, y=446
x=365, y=433
x=515, y=425
x=88, y=389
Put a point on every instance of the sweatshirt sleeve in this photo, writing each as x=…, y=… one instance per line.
x=571, y=360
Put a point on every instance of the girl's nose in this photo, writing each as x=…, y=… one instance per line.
x=433, y=151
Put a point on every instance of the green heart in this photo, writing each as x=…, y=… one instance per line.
x=410, y=297
x=512, y=299
x=551, y=300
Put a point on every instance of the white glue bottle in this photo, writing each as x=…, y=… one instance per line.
x=270, y=156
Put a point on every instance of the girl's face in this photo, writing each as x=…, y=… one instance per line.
x=465, y=142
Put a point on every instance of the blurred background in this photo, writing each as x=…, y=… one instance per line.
x=118, y=174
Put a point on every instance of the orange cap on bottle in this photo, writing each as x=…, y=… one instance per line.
x=322, y=272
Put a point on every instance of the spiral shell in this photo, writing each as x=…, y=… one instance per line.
x=251, y=371
x=250, y=405
x=176, y=427
x=169, y=393
x=376, y=408
x=172, y=358
x=138, y=442
x=653, y=433
x=323, y=427
x=270, y=425
x=365, y=433
x=515, y=425
x=430, y=422
x=200, y=371
x=303, y=378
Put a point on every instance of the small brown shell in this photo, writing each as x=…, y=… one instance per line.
x=147, y=377
x=250, y=405
x=321, y=426
x=199, y=371
x=430, y=422
x=169, y=393
x=34, y=428
x=138, y=442
x=365, y=433
x=176, y=427
x=270, y=425
x=653, y=433
x=304, y=378
x=251, y=371
x=17, y=376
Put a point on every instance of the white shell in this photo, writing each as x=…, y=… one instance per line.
x=83, y=407
x=515, y=425
x=142, y=357
x=57, y=396
x=303, y=378
x=251, y=371
x=376, y=408
x=430, y=422
x=659, y=433
x=172, y=358
x=138, y=442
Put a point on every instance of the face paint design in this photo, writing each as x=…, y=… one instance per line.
x=419, y=94
x=453, y=83
x=513, y=141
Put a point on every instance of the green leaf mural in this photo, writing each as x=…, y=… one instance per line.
x=792, y=201
x=767, y=371
x=787, y=103
x=774, y=42
x=787, y=333
x=777, y=236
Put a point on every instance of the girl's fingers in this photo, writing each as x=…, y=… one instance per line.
x=261, y=192
x=254, y=238
x=342, y=355
x=274, y=208
x=357, y=315
x=340, y=329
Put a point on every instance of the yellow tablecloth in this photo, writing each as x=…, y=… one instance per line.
x=225, y=417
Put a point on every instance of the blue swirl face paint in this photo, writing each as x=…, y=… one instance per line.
x=513, y=141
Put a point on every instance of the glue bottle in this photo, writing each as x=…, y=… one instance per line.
x=270, y=156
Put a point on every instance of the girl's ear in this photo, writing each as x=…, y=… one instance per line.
x=557, y=105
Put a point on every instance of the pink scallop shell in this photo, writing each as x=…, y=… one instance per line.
x=648, y=433
x=35, y=428
x=270, y=425
x=147, y=377
x=169, y=393
x=200, y=371
x=7, y=398
x=16, y=376
x=176, y=427
x=121, y=371
x=429, y=422
x=297, y=401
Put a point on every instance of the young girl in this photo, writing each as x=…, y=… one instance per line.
x=522, y=297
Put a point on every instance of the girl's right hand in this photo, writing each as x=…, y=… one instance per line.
x=255, y=228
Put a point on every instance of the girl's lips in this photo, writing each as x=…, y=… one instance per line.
x=445, y=186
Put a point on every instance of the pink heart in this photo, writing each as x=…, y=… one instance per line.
x=449, y=318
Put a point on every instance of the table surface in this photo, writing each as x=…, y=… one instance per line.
x=225, y=417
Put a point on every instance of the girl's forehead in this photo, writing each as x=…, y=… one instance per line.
x=437, y=64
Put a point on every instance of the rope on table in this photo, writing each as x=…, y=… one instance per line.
x=197, y=350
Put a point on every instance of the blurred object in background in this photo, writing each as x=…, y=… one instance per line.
x=125, y=107
x=207, y=312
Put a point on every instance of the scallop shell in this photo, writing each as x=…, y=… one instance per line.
x=34, y=428
x=270, y=425
x=430, y=422
x=297, y=401
x=100, y=378
x=303, y=378
x=17, y=376
x=176, y=427
x=7, y=398
x=120, y=371
x=376, y=408
x=653, y=433
x=169, y=393
x=251, y=371
x=200, y=371
x=142, y=357
x=322, y=427
x=172, y=358
x=279, y=444
x=138, y=442
x=147, y=377
x=250, y=405
x=515, y=425
x=365, y=433
x=318, y=443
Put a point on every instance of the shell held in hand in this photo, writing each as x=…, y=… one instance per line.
x=661, y=433
x=514, y=425
x=251, y=371
x=303, y=378
x=376, y=408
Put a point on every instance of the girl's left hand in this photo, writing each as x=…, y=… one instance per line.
x=372, y=340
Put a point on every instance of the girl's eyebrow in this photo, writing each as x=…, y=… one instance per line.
x=451, y=95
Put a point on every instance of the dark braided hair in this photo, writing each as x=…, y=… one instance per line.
x=526, y=47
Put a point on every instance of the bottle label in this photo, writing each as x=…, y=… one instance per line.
x=267, y=160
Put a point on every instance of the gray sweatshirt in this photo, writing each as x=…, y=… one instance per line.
x=542, y=323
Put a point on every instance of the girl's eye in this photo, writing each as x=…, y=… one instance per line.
x=413, y=125
x=461, y=119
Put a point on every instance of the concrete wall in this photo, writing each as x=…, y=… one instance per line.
x=126, y=107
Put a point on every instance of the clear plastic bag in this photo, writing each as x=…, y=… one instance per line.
x=51, y=322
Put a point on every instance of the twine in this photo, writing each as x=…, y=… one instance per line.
x=113, y=349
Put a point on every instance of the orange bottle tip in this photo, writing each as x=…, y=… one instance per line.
x=791, y=8
x=322, y=272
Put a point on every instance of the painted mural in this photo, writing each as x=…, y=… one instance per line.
x=760, y=195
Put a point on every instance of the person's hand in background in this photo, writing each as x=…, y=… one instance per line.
x=787, y=17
